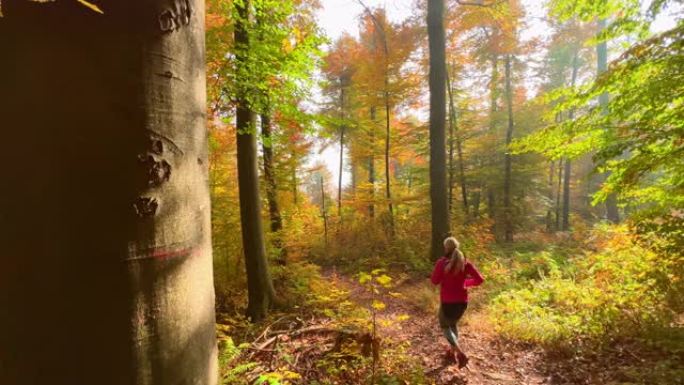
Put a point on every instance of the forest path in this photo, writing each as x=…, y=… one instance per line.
x=492, y=361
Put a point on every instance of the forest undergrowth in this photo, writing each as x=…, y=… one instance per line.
x=569, y=308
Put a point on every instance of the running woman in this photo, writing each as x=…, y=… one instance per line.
x=454, y=275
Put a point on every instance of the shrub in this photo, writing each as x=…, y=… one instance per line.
x=594, y=297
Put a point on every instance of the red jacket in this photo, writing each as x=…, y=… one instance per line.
x=454, y=285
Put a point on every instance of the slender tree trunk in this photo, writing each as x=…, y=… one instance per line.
x=353, y=173
x=462, y=175
x=558, y=195
x=566, y=195
x=477, y=196
x=612, y=212
x=450, y=141
x=453, y=138
x=493, y=108
x=437, y=85
x=388, y=193
x=568, y=167
x=323, y=212
x=271, y=188
x=295, y=181
x=371, y=165
x=410, y=180
x=106, y=236
x=339, y=180
x=551, y=197
x=259, y=285
x=507, y=158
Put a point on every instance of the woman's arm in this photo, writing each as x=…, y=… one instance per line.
x=474, y=276
x=438, y=272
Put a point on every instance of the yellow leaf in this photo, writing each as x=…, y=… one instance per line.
x=91, y=6
x=377, y=305
x=287, y=45
x=384, y=280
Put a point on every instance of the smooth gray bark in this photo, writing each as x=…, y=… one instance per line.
x=437, y=85
x=104, y=209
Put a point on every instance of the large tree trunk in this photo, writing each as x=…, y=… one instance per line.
x=271, y=187
x=104, y=205
x=508, y=209
x=437, y=83
x=612, y=212
x=259, y=285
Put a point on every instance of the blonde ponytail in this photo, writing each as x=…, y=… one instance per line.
x=456, y=257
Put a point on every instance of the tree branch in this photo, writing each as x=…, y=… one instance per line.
x=378, y=26
x=480, y=3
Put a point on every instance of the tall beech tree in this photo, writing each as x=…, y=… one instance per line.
x=259, y=284
x=489, y=29
x=107, y=274
x=275, y=77
x=437, y=86
x=265, y=71
x=380, y=36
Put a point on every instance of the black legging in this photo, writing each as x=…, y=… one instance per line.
x=449, y=315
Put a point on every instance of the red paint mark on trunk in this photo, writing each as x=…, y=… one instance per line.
x=164, y=253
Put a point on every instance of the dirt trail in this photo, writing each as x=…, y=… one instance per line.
x=300, y=343
x=492, y=361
